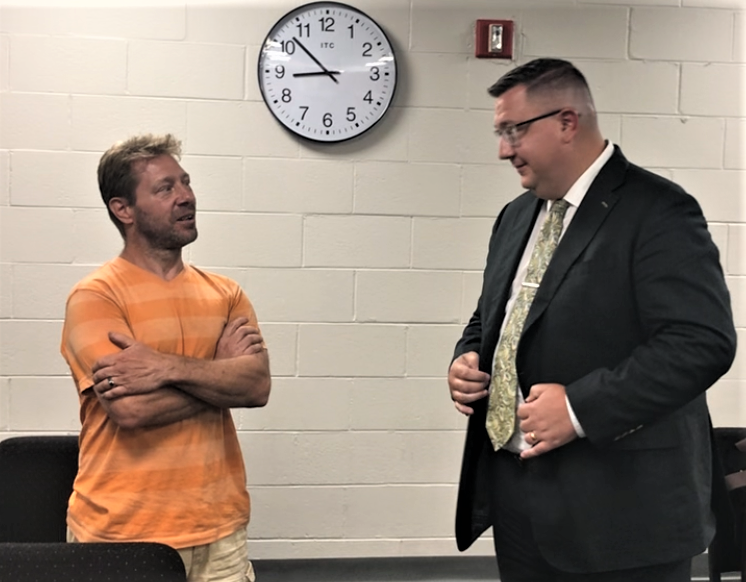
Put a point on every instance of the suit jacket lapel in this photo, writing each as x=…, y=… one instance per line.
x=593, y=210
x=512, y=244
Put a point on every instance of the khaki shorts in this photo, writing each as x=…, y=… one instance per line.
x=225, y=560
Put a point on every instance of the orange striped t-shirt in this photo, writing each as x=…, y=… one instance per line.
x=182, y=484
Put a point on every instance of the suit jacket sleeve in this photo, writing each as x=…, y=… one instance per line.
x=684, y=320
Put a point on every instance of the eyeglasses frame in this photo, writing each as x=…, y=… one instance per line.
x=508, y=132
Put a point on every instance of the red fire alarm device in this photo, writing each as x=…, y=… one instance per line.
x=494, y=39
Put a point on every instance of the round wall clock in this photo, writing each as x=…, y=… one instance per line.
x=327, y=71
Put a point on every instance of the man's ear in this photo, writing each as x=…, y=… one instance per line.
x=120, y=208
x=570, y=120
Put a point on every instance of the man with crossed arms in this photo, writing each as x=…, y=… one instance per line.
x=160, y=352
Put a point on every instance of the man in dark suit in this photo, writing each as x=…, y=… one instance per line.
x=603, y=470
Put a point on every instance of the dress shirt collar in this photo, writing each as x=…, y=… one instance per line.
x=578, y=190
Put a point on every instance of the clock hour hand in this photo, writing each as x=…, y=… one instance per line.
x=316, y=73
x=315, y=60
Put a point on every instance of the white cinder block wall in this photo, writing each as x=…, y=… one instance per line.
x=363, y=259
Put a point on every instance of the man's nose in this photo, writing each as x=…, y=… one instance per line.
x=186, y=194
x=505, y=150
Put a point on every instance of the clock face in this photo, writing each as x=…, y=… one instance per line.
x=327, y=72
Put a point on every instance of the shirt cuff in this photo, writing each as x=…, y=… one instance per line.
x=574, y=419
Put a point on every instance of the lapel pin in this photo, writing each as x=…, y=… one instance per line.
x=604, y=203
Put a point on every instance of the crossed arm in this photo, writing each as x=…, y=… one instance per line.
x=149, y=388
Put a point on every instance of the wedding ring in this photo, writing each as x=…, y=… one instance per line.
x=532, y=434
x=111, y=384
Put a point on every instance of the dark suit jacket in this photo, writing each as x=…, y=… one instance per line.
x=633, y=317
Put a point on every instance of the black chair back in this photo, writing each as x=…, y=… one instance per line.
x=91, y=562
x=36, y=480
x=727, y=552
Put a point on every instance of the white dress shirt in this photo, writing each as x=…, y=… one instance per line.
x=574, y=197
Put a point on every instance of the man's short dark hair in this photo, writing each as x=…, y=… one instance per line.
x=541, y=75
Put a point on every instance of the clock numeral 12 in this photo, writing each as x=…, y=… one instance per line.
x=327, y=24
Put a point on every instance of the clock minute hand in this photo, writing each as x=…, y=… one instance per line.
x=315, y=60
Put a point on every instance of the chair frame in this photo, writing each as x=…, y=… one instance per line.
x=727, y=552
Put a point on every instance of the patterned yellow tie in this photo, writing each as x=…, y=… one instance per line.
x=504, y=385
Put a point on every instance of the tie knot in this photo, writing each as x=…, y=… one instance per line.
x=559, y=207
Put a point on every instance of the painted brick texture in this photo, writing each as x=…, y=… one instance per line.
x=363, y=259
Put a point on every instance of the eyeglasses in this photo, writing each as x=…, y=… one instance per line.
x=511, y=132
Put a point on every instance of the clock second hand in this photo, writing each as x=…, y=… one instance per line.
x=315, y=60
